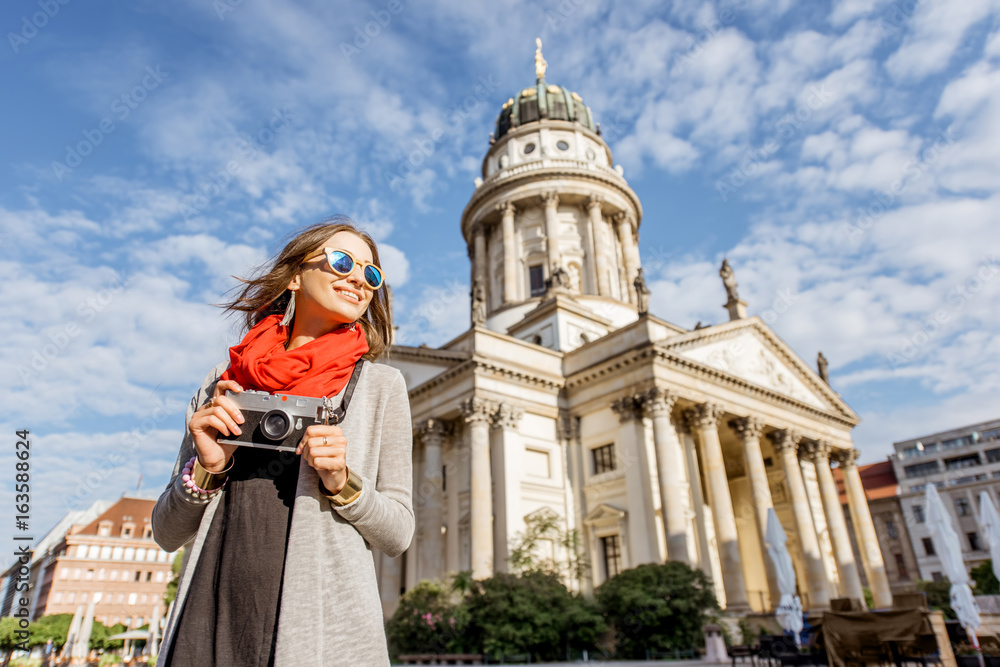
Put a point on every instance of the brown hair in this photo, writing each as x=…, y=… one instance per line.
x=266, y=293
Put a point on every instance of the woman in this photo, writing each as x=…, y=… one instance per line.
x=280, y=571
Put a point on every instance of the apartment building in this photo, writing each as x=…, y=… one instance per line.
x=961, y=463
x=105, y=555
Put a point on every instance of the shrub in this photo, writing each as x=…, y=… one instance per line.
x=938, y=596
x=985, y=581
x=531, y=613
x=426, y=621
x=657, y=607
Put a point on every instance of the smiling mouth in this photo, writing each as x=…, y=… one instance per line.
x=351, y=296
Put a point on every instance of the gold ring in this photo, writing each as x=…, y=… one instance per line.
x=324, y=440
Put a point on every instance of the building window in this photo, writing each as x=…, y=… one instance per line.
x=138, y=575
x=612, y=555
x=536, y=278
x=936, y=576
x=128, y=529
x=922, y=469
x=962, y=462
x=149, y=576
x=562, y=145
x=104, y=529
x=993, y=456
x=891, y=529
x=901, y=566
x=147, y=532
x=58, y=597
x=71, y=597
x=928, y=546
x=604, y=459
x=918, y=513
x=117, y=553
x=973, y=541
x=105, y=553
x=114, y=575
x=962, y=507
x=132, y=597
x=159, y=577
x=90, y=574
x=64, y=573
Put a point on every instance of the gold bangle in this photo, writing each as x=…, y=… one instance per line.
x=348, y=494
x=210, y=481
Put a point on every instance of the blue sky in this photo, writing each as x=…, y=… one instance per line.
x=842, y=154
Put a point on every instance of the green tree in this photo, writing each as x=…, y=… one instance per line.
x=525, y=552
x=9, y=640
x=938, y=596
x=175, y=573
x=99, y=636
x=531, y=613
x=657, y=607
x=986, y=582
x=53, y=626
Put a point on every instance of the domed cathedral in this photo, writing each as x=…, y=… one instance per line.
x=549, y=218
x=567, y=403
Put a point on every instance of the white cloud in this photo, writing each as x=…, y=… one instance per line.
x=934, y=31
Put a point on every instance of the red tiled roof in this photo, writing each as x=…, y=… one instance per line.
x=137, y=511
x=879, y=480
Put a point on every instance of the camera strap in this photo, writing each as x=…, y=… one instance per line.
x=338, y=415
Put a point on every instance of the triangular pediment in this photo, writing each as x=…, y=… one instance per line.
x=749, y=350
x=604, y=514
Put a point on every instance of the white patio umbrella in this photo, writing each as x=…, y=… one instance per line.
x=154, y=632
x=949, y=550
x=74, y=632
x=81, y=649
x=991, y=527
x=789, y=613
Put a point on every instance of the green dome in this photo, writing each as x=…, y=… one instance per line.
x=543, y=102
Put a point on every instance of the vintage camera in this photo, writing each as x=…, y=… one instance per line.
x=277, y=421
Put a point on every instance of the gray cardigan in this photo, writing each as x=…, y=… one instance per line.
x=331, y=611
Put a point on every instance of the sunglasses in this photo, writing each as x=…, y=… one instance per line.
x=342, y=263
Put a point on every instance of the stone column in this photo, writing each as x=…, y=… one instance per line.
x=704, y=419
x=864, y=530
x=505, y=464
x=551, y=201
x=452, y=487
x=597, y=255
x=509, y=252
x=479, y=253
x=625, y=238
x=749, y=429
x=432, y=434
x=849, y=580
x=657, y=404
x=477, y=413
x=642, y=521
x=786, y=443
x=697, y=496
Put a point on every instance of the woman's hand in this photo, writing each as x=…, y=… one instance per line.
x=325, y=449
x=219, y=415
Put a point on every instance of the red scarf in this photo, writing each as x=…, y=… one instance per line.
x=321, y=367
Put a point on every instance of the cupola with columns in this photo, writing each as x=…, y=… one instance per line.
x=553, y=227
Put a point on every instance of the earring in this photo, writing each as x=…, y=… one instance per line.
x=289, y=311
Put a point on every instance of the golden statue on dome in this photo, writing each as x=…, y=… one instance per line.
x=540, y=63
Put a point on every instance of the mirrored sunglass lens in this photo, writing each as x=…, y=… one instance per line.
x=373, y=276
x=341, y=262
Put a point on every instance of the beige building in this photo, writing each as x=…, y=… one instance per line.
x=567, y=398
x=108, y=561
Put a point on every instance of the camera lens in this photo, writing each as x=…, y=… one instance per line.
x=275, y=425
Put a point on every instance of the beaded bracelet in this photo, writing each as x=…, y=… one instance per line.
x=191, y=487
